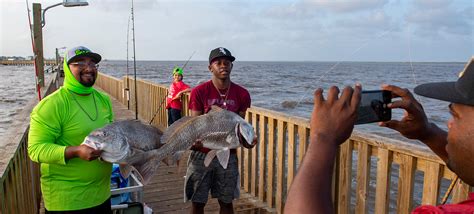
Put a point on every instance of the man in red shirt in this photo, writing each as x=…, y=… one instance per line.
x=333, y=119
x=220, y=91
x=173, y=100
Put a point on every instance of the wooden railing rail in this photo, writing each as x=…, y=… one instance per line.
x=19, y=176
x=372, y=173
x=25, y=62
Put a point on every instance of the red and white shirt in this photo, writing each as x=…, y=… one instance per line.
x=174, y=89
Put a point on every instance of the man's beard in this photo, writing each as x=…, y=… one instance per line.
x=87, y=83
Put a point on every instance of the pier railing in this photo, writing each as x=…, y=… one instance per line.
x=19, y=176
x=25, y=62
x=372, y=173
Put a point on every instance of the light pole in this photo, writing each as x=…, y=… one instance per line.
x=38, y=23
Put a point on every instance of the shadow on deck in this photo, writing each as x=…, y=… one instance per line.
x=164, y=194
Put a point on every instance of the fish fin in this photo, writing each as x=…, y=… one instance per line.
x=166, y=161
x=176, y=128
x=223, y=157
x=177, y=156
x=209, y=157
x=125, y=170
x=136, y=155
x=147, y=169
x=179, y=168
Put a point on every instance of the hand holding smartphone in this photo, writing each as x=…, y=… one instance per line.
x=373, y=107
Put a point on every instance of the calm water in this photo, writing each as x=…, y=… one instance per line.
x=282, y=86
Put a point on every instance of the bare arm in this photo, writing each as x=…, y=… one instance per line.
x=82, y=151
x=178, y=95
x=332, y=122
x=414, y=124
x=196, y=113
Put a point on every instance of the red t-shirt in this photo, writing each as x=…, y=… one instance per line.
x=466, y=206
x=174, y=89
x=205, y=95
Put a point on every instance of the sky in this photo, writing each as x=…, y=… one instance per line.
x=253, y=30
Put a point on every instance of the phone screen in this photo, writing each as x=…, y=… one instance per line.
x=373, y=107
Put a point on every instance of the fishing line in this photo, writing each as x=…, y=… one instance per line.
x=38, y=89
x=339, y=62
x=409, y=56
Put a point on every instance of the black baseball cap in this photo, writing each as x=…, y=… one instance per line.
x=80, y=51
x=461, y=91
x=220, y=52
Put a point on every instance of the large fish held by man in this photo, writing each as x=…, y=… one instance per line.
x=129, y=143
x=219, y=130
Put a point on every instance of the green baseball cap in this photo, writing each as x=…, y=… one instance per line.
x=177, y=70
x=79, y=51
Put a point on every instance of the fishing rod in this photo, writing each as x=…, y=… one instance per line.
x=38, y=88
x=127, y=87
x=134, y=64
x=188, y=60
x=164, y=99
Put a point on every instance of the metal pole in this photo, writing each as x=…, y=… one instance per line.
x=134, y=64
x=57, y=56
x=38, y=41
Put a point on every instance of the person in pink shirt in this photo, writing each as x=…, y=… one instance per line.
x=173, y=100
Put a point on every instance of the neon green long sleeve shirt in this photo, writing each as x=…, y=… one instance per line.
x=64, y=119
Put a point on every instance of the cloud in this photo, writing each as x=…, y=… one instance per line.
x=121, y=5
x=435, y=18
x=432, y=4
x=373, y=21
x=344, y=6
x=305, y=9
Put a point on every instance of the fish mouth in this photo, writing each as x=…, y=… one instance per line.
x=243, y=141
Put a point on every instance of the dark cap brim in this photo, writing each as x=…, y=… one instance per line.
x=445, y=91
x=95, y=57
x=231, y=58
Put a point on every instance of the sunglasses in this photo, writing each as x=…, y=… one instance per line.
x=83, y=65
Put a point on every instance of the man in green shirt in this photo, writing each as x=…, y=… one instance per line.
x=73, y=180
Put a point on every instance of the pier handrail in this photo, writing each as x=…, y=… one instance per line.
x=19, y=176
x=25, y=62
x=386, y=170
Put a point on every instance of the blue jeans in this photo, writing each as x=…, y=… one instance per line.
x=173, y=115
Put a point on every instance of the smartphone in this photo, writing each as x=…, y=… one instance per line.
x=373, y=107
